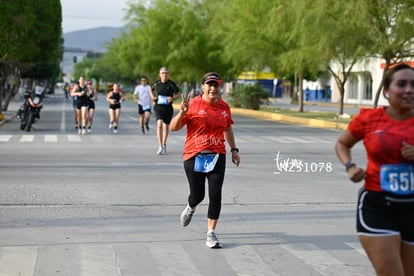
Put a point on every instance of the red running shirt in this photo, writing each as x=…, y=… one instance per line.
x=383, y=138
x=206, y=124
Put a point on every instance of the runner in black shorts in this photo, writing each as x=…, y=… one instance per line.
x=74, y=100
x=93, y=96
x=385, y=214
x=114, y=98
x=163, y=92
x=82, y=102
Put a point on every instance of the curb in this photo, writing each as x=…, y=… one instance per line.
x=4, y=119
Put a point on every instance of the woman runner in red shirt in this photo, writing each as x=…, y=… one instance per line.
x=385, y=213
x=209, y=125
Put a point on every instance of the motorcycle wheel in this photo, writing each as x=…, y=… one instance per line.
x=22, y=125
x=29, y=121
x=23, y=121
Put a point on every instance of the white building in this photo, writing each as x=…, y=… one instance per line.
x=360, y=88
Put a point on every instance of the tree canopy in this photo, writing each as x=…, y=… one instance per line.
x=295, y=39
x=31, y=40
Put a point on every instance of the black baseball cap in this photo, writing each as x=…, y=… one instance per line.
x=212, y=77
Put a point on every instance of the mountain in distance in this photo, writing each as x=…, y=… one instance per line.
x=94, y=40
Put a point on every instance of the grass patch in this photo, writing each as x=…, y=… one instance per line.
x=326, y=116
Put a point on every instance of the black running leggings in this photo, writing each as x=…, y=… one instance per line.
x=197, y=181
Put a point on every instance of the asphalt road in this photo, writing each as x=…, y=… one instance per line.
x=106, y=204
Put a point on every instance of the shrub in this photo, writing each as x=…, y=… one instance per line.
x=248, y=96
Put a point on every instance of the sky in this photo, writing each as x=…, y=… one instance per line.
x=86, y=14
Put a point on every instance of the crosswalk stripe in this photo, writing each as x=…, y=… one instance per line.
x=5, y=138
x=275, y=139
x=241, y=140
x=74, y=138
x=58, y=260
x=51, y=138
x=357, y=247
x=98, y=260
x=173, y=260
x=314, y=139
x=27, y=138
x=319, y=260
x=285, y=139
x=245, y=261
x=25, y=256
x=299, y=140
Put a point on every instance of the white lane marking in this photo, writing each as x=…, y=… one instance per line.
x=5, y=138
x=98, y=260
x=51, y=138
x=27, y=138
x=245, y=261
x=18, y=260
x=319, y=259
x=74, y=138
x=173, y=260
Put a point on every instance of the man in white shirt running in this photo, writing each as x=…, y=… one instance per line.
x=142, y=92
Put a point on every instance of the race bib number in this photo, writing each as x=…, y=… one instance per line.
x=205, y=162
x=146, y=107
x=162, y=100
x=397, y=178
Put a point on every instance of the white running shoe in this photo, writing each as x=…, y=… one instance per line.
x=212, y=241
x=115, y=130
x=164, y=149
x=159, y=151
x=186, y=215
x=110, y=125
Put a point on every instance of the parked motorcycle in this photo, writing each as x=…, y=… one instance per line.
x=29, y=111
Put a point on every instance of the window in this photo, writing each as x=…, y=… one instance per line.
x=367, y=93
x=352, y=87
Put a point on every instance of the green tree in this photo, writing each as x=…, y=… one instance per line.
x=339, y=39
x=389, y=26
x=47, y=42
x=289, y=21
x=113, y=66
x=167, y=33
x=259, y=34
x=17, y=17
x=303, y=37
x=300, y=38
x=32, y=36
x=250, y=39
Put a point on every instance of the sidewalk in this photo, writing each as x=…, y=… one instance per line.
x=351, y=109
x=11, y=112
